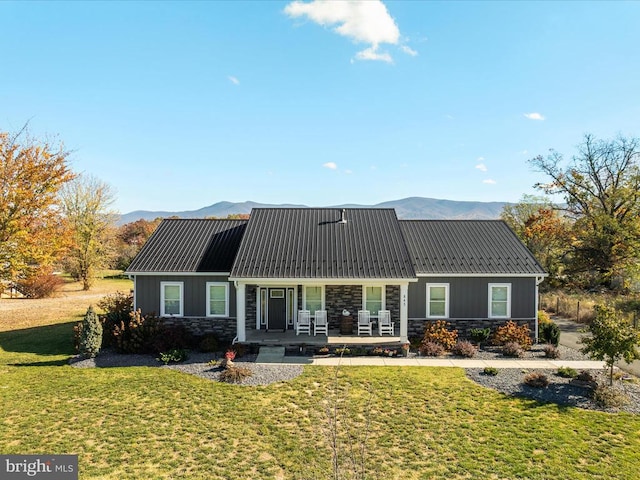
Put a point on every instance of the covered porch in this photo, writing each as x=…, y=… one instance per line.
x=267, y=311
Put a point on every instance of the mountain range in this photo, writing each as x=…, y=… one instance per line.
x=406, y=209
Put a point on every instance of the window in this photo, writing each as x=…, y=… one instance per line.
x=437, y=300
x=170, y=299
x=313, y=298
x=499, y=300
x=217, y=299
x=373, y=300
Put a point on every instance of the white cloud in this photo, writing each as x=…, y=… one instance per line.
x=362, y=21
x=348, y=172
x=234, y=80
x=330, y=165
x=482, y=167
x=409, y=50
x=489, y=181
x=480, y=159
x=372, y=54
x=534, y=116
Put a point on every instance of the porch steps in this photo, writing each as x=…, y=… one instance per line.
x=270, y=355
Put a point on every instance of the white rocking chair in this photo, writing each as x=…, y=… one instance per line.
x=385, y=325
x=364, y=322
x=303, y=325
x=320, y=324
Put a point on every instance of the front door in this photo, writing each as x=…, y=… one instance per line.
x=277, y=308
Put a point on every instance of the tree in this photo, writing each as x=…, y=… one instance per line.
x=612, y=339
x=601, y=191
x=32, y=173
x=131, y=236
x=89, y=332
x=545, y=233
x=86, y=201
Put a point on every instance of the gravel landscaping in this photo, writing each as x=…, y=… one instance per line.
x=197, y=364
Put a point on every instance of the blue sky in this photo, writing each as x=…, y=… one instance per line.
x=181, y=105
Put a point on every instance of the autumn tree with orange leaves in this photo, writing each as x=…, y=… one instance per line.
x=32, y=234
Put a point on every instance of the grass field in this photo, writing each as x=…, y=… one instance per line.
x=152, y=423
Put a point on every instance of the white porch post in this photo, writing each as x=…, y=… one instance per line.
x=240, y=312
x=404, y=313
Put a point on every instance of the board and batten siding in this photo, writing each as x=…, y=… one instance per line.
x=469, y=296
x=194, y=290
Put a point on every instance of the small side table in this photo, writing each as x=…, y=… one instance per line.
x=346, y=325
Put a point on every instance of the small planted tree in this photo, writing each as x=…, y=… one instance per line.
x=90, y=334
x=612, y=339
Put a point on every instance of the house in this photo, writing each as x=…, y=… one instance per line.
x=247, y=279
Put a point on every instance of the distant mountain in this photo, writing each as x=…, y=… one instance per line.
x=406, y=208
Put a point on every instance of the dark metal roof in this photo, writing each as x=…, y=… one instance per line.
x=467, y=247
x=313, y=243
x=190, y=245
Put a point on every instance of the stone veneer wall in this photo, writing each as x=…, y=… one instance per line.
x=339, y=297
x=392, y=303
x=464, y=325
x=223, y=328
x=250, y=306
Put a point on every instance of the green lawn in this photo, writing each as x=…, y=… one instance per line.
x=421, y=423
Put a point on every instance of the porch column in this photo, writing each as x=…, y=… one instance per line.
x=404, y=313
x=240, y=312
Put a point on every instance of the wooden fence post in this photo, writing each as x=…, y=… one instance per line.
x=578, y=312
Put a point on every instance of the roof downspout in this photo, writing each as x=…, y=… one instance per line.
x=539, y=280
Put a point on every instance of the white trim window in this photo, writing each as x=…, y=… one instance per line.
x=499, y=300
x=217, y=299
x=373, y=299
x=437, y=300
x=171, y=299
x=313, y=298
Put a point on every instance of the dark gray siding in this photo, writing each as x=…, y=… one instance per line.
x=194, y=291
x=469, y=296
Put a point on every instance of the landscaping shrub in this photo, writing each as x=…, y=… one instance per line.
x=117, y=308
x=493, y=371
x=209, y=343
x=136, y=335
x=512, y=332
x=480, y=335
x=438, y=332
x=176, y=355
x=89, y=334
x=551, y=352
x=171, y=337
x=608, y=396
x=536, y=380
x=464, y=349
x=549, y=333
x=543, y=317
x=567, y=372
x=512, y=349
x=586, y=376
x=233, y=374
x=431, y=349
x=41, y=284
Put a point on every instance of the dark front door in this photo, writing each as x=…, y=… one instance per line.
x=277, y=319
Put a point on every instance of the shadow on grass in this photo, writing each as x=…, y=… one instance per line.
x=47, y=340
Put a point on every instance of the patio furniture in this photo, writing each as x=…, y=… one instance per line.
x=385, y=325
x=320, y=323
x=303, y=324
x=346, y=325
x=364, y=322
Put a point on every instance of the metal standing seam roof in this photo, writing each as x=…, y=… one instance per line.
x=190, y=245
x=467, y=247
x=313, y=243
